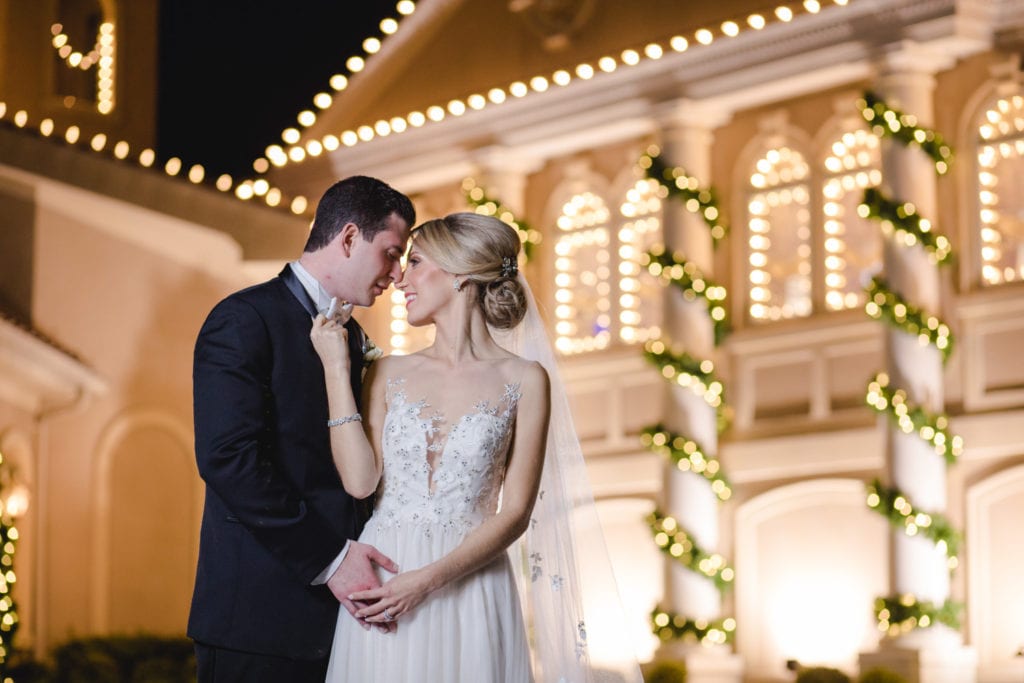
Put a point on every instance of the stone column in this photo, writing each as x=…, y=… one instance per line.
x=686, y=142
x=504, y=173
x=918, y=567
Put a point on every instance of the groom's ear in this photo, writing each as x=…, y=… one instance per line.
x=347, y=237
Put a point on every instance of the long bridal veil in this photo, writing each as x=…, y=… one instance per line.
x=572, y=608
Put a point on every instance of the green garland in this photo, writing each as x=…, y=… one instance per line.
x=8, y=545
x=893, y=504
x=903, y=221
x=669, y=626
x=686, y=370
x=477, y=197
x=687, y=456
x=898, y=615
x=931, y=428
x=883, y=302
x=676, y=543
x=676, y=270
x=687, y=189
x=699, y=376
x=892, y=123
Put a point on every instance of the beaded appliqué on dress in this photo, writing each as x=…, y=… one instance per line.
x=452, y=480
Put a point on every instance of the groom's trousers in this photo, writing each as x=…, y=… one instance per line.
x=218, y=665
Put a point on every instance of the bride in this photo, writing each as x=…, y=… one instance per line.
x=455, y=441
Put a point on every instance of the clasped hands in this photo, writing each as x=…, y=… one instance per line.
x=357, y=588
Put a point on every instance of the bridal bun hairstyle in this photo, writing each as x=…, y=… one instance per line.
x=481, y=250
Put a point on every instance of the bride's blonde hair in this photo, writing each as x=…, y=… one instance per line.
x=481, y=250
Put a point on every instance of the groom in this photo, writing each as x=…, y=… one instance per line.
x=276, y=552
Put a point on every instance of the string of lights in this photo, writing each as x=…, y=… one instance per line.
x=901, y=223
x=892, y=504
x=697, y=375
x=688, y=456
x=677, y=271
x=540, y=83
x=8, y=545
x=671, y=626
x=687, y=189
x=678, y=544
x=910, y=418
x=893, y=123
x=902, y=614
x=484, y=204
x=885, y=304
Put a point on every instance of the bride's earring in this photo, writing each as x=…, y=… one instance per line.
x=457, y=285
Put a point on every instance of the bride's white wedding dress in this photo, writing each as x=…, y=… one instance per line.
x=441, y=479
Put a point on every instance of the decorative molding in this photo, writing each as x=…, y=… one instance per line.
x=751, y=70
x=37, y=377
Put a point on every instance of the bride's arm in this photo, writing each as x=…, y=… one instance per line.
x=493, y=537
x=358, y=465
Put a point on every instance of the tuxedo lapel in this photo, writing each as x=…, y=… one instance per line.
x=356, y=336
x=291, y=280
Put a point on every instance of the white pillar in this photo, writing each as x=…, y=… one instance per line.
x=688, y=497
x=906, y=82
x=504, y=174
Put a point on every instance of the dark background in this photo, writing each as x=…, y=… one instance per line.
x=235, y=73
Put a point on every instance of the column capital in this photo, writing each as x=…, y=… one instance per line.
x=502, y=159
x=911, y=58
x=690, y=113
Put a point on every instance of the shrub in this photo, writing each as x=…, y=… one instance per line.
x=668, y=671
x=881, y=676
x=821, y=674
x=125, y=659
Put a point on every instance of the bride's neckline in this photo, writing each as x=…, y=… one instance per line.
x=437, y=446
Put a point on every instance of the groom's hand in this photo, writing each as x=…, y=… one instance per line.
x=356, y=574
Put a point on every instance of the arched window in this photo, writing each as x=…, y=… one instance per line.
x=779, y=236
x=582, y=275
x=1000, y=192
x=640, y=307
x=853, y=246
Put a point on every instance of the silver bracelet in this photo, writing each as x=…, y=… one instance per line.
x=337, y=422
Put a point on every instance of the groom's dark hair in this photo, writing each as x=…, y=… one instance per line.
x=365, y=201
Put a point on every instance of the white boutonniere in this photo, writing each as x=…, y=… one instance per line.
x=371, y=352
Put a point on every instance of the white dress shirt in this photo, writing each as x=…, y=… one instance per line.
x=322, y=301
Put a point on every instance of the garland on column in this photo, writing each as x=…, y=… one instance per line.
x=687, y=456
x=894, y=505
x=8, y=545
x=887, y=122
x=885, y=303
x=698, y=375
x=901, y=222
x=478, y=198
x=686, y=189
x=674, y=269
x=910, y=418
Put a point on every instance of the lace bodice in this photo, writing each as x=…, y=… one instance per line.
x=439, y=473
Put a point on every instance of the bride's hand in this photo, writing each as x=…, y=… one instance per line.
x=330, y=339
x=399, y=596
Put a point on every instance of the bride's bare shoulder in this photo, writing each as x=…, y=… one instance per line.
x=390, y=367
x=530, y=374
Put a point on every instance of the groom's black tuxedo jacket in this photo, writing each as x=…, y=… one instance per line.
x=276, y=514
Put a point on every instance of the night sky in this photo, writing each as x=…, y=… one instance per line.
x=235, y=73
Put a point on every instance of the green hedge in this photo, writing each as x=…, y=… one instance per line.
x=881, y=676
x=821, y=674
x=112, y=659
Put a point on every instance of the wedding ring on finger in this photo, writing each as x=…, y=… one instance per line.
x=387, y=615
